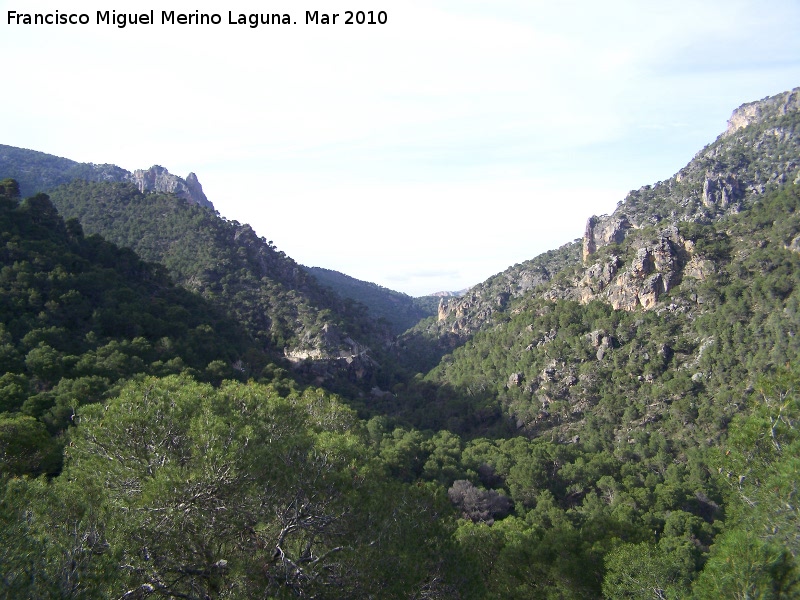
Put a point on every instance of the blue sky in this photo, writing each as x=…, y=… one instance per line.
x=425, y=154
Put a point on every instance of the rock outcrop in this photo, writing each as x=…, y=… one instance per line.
x=753, y=112
x=758, y=151
x=40, y=172
x=602, y=231
x=654, y=270
x=720, y=190
x=158, y=179
x=329, y=352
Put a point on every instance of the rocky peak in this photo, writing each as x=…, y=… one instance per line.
x=158, y=179
x=757, y=150
x=196, y=191
x=602, y=231
x=753, y=112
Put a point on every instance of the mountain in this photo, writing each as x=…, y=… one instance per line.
x=79, y=314
x=169, y=220
x=39, y=172
x=615, y=418
x=282, y=307
x=449, y=294
x=758, y=152
x=400, y=310
x=113, y=383
x=498, y=355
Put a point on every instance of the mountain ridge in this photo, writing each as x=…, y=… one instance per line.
x=37, y=172
x=758, y=151
x=617, y=423
x=400, y=310
x=281, y=305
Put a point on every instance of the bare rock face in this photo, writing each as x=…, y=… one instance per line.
x=654, y=271
x=753, y=112
x=602, y=231
x=330, y=351
x=597, y=277
x=196, y=191
x=515, y=380
x=444, y=310
x=461, y=312
x=699, y=269
x=721, y=190
x=158, y=179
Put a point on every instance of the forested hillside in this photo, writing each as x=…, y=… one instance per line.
x=758, y=152
x=280, y=305
x=78, y=315
x=616, y=418
x=400, y=310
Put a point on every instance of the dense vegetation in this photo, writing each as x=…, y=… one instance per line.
x=662, y=467
x=78, y=315
x=182, y=490
x=270, y=294
x=151, y=445
x=652, y=437
x=684, y=363
x=399, y=310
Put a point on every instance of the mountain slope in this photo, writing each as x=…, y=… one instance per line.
x=279, y=304
x=399, y=310
x=562, y=368
x=79, y=314
x=758, y=152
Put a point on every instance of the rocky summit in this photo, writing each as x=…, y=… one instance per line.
x=758, y=151
x=40, y=172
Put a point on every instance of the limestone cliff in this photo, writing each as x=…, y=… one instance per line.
x=754, y=112
x=635, y=256
x=602, y=231
x=158, y=179
x=759, y=149
x=654, y=270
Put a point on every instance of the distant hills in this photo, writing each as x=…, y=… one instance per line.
x=618, y=417
x=399, y=310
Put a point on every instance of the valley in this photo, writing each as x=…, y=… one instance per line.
x=187, y=412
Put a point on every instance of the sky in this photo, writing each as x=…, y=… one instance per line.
x=424, y=154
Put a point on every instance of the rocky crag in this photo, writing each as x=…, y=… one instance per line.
x=40, y=172
x=158, y=179
x=758, y=151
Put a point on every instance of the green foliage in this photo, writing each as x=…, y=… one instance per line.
x=78, y=315
x=557, y=450
x=184, y=490
x=278, y=303
x=742, y=566
x=400, y=310
x=26, y=447
x=648, y=572
x=756, y=557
